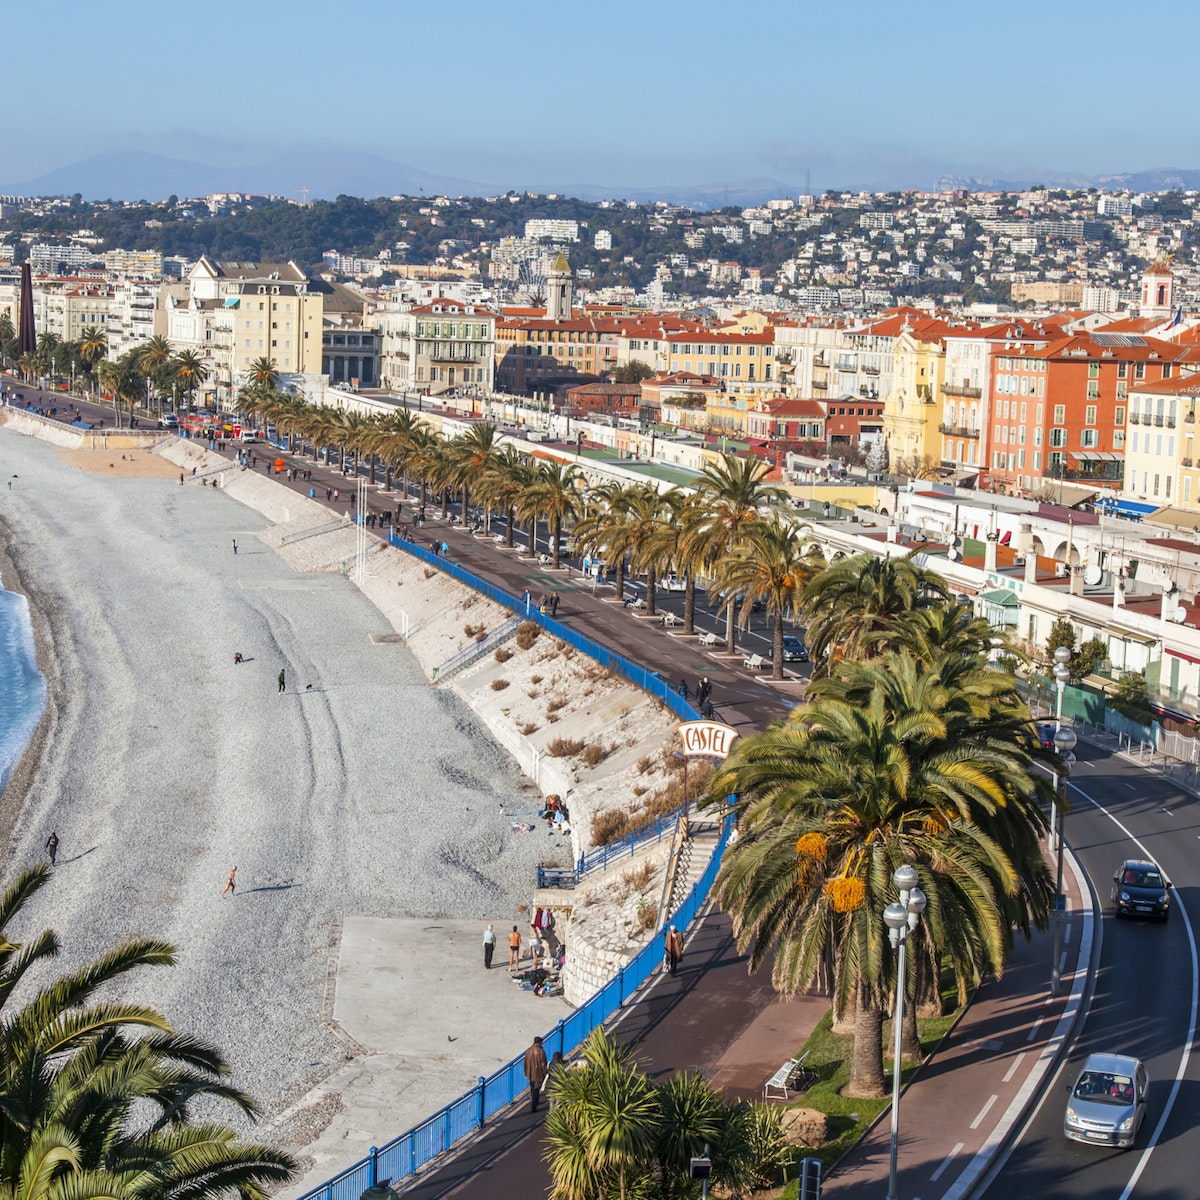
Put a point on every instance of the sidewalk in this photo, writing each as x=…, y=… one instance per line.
x=714, y=1017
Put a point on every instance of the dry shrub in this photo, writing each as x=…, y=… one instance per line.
x=532, y=693
x=556, y=704
x=498, y=685
x=638, y=877
x=594, y=755
x=503, y=654
x=672, y=795
x=552, y=719
x=528, y=727
x=647, y=915
x=671, y=761
x=472, y=630
x=614, y=823
x=527, y=634
x=535, y=679
x=430, y=572
x=481, y=635
x=564, y=747
x=644, y=764
x=640, y=791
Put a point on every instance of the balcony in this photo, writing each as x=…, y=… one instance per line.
x=1185, y=462
x=1135, y=418
x=870, y=370
x=820, y=360
x=820, y=385
x=1170, y=422
x=451, y=356
x=969, y=393
x=847, y=365
x=959, y=431
x=1158, y=420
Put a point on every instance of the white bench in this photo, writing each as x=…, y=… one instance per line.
x=755, y=662
x=543, y=560
x=709, y=639
x=637, y=605
x=791, y=1077
x=669, y=619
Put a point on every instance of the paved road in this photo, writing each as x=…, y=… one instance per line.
x=1144, y=1003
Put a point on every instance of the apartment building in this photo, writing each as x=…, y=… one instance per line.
x=435, y=347
x=1162, y=453
x=66, y=307
x=534, y=353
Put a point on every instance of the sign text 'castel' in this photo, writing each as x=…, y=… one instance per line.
x=706, y=739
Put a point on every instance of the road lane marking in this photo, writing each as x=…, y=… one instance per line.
x=1186, y=1051
x=945, y=1163
x=983, y=1112
x=1014, y=1068
x=1033, y=1032
x=1067, y=933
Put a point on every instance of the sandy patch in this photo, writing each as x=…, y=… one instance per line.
x=130, y=464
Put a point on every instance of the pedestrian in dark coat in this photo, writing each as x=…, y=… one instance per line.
x=52, y=848
x=535, y=1071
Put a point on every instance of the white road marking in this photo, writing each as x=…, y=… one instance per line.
x=1014, y=1068
x=1062, y=962
x=983, y=1112
x=945, y=1163
x=1167, y=811
x=1186, y=1051
x=1033, y=1032
x=1067, y=934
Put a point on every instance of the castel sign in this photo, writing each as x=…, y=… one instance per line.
x=706, y=739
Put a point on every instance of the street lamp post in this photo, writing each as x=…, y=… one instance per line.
x=1064, y=742
x=901, y=919
x=1061, y=672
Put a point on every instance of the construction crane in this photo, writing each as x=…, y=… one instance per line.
x=303, y=194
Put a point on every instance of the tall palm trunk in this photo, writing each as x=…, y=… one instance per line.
x=620, y=577
x=689, y=606
x=777, y=645
x=651, y=588
x=866, y=1061
x=555, y=532
x=512, y=523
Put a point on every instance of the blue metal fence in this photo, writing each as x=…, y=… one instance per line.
x=406, y=1154
x=602, y=856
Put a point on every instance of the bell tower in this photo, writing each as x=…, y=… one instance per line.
x=559, y=290
x=1158, y=286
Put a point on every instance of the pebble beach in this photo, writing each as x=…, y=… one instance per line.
x=161, y=764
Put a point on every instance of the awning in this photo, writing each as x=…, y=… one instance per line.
x=1006, y=538
x=1003, y=598
x=1098, y=455
x=231, y=302
x=1180, y=654
x=1176, y=518
x=1125, y=508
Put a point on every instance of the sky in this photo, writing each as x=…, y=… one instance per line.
x=849, y=93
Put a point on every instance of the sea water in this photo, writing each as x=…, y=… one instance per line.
x=22, y=688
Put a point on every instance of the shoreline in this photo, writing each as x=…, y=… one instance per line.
x=44, y=616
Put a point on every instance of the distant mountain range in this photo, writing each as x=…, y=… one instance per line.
x=137, y=175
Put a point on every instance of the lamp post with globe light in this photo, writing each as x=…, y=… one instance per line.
x=901, y=919
x=1064, y=743
x=1061, y=672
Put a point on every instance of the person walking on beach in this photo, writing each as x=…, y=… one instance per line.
x=535, y=1071
x=282, y=678
x=489, y=947
x=52, y=848
x=235, y=547
x=672, y=950
x=230, y=884
x=514, y=949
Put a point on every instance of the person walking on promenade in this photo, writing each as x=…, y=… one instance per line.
x=673, y=950
x=703, y=691
x=489, y=947
x=536, y=1069
x=230, y=884
x=682, y=689
x=52, y=848
x=282, y=677
x=235, y=547
x=514, y=949
x=554, y=1074
x=554, y=598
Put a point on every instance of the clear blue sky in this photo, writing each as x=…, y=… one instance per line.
x=616, y=92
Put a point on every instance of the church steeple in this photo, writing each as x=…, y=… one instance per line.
x=1158, y=285
x=559, y=289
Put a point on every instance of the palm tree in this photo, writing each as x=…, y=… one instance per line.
x=95, y=1095
x=769, y=567
x=189, y=370
x=263, y=374
x=641, y=534
x=505, y=486
x=154, y=360
x=675, y=550
x=732, y=491
x=599, y=529
x=853, y=601
x=603, y=1124
x=888, y=764
x=554, y=494
x=473, y=455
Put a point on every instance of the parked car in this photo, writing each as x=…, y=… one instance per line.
x=1140, y=890
x=671, y=582
x=1108, y=1102
x=794, y=650
x=168, y=421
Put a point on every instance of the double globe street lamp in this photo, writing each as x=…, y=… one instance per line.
x=902, y=920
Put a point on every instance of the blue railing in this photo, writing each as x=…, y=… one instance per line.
x=405, y=1155
x=602, y=856
x=648, y=680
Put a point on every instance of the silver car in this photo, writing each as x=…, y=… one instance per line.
x=1108, y=1102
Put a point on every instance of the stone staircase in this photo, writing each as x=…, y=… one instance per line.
x=692, y=860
